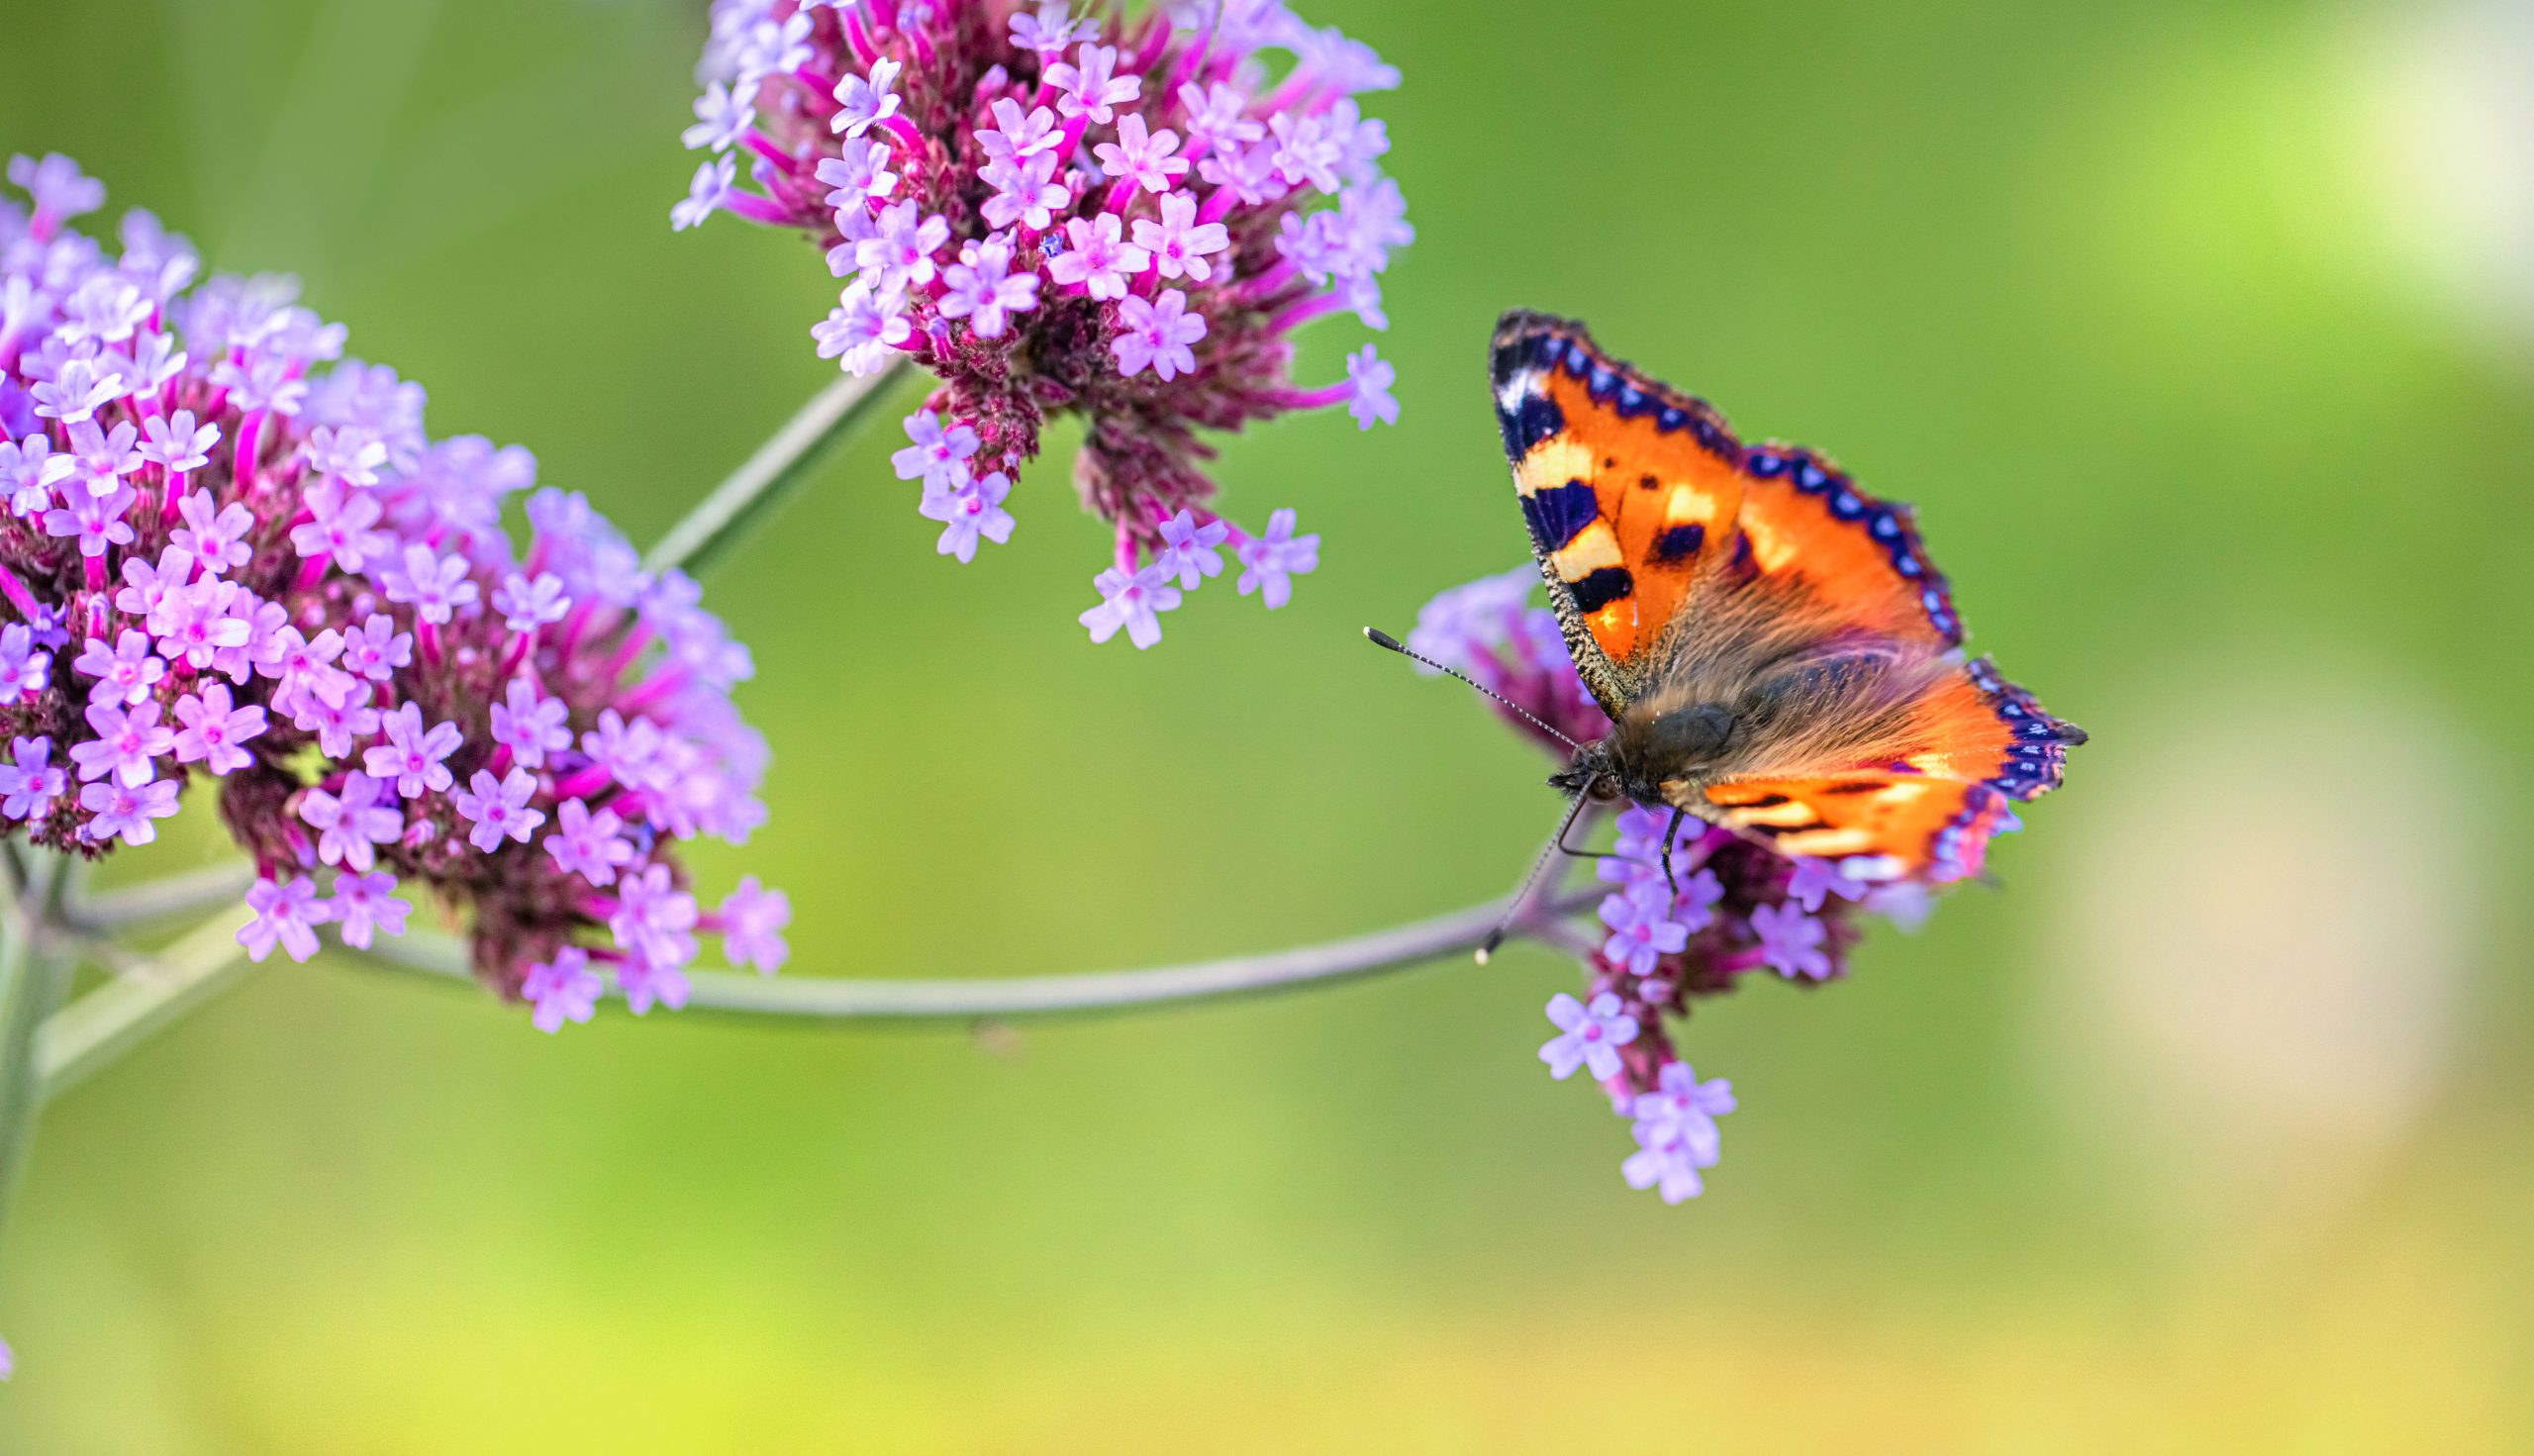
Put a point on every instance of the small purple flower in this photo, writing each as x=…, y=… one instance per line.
x=101, y=458
x=721, y=119
x=1667, y=1160
x=1157, y=335
x=1269, y=561
x=1092, y=89
x=177, y=445
x=125, y=672
x=1586, y=1035
x=531, y=725
x=981, y=288
x=366, y=904
x=562, y=989
x=1131, y=602
x=28, y=469
x=25, y=670
x=351, y=825
x=1025, y=192
x=60, y=189
x=96, y=521
x=339, y=528
x=213, y=534
x=1095, y=260
x=287, y=915
x=1179, y=243
x=646, y=982
x=939, y=457
x=125, y=810
x=499, y=809
x=900, y=252
x=125, y=744
x=588, y=843
x=30, y=782
x=1050, y=31
x=862, y=330
x=1695, y=907
x=1641, y=930
x=654, y=919
x=1370, y=378
x=213, y=730
x=858, y=174
x=1790, y=941
x=1816, y=880
x=864, y=101
x=76, y=391
x=1017, y=133
x=751, y=922
x=411, y=758
x=347, y=457
x=434, y=586
x=1142, y=157
x=971, y=510
x=527, y=606
x=705, y=193
x=1191, y=552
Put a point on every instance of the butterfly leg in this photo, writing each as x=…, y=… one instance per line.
x=1670, y=832
x=1572, y=852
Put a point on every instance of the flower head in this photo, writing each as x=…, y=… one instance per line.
x=1070, y=209
x=235, y=571
x=1692, y=909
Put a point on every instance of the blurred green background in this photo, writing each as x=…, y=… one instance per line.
x=2202, y=333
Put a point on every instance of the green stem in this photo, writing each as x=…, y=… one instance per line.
x=772, y=473
x=33, y=974
x=152, y=992
x=961, y=999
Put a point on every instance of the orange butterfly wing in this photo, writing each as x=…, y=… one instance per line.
x=1629, y=488
x=1633, y=492
x=1926, y=816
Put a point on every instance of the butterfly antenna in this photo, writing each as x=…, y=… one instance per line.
x=1381, y=638
x=1523, y=897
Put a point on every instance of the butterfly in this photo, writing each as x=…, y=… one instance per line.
x=1776, y=651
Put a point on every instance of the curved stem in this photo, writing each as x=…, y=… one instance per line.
x=1395, y=948
x=768, y=476
x=159, y=899
x=148, y=993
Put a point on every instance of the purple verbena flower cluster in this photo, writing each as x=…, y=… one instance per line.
x=1103, y=216
x=229, y=553
x=1730, y=907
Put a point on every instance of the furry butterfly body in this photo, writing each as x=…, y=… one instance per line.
x=1776, y=651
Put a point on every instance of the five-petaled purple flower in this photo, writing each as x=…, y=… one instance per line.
x=1586, y=1035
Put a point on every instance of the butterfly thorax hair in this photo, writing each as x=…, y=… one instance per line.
x=1753, y=682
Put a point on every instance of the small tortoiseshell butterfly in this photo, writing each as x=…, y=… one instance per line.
x=1775, y=650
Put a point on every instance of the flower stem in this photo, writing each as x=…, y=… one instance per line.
x=151, y=992
x=779, y=465
x=33, y=977
x=954, y=999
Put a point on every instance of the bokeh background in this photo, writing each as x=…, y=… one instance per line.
x=2202, y=333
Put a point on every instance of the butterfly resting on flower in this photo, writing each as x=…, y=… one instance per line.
x=1776, y=654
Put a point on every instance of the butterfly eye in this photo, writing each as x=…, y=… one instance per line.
x=1603, y=790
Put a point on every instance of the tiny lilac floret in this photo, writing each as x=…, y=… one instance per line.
x=1132, y=602
x=1588, y=1036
